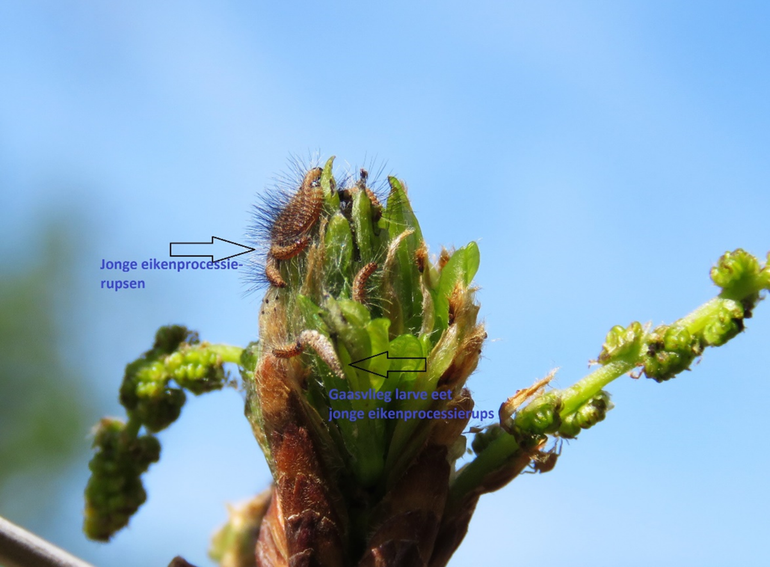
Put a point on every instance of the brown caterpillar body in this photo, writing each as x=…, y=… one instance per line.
x=373, y=198
x=376, y=207
x=299, y=215
x=290, y=230
x=359, y=282
x=289, y=251
x=289, y=351
x=272, y=273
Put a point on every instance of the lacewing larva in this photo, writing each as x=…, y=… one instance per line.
x=319, y=343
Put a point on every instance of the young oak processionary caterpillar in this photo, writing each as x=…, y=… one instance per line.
x=290, y=228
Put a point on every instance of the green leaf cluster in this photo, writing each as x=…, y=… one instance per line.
x=153, y=394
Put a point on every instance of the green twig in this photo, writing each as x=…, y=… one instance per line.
x=228, y=353
x=660, y=354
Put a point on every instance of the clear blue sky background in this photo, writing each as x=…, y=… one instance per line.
x=602, y=154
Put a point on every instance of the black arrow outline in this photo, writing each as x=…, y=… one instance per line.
x=387, y=354
x=211, y=256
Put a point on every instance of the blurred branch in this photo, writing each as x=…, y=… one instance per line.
x=20, y=548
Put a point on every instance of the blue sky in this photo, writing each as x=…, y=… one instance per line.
x=602, y=154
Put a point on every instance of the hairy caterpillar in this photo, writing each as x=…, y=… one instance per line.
x=272, y=273
x=289, y=232
x=359, y=282
x=284, y=220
